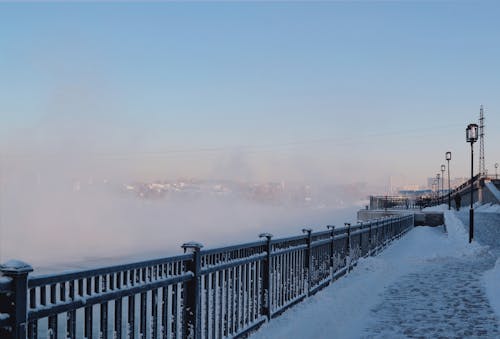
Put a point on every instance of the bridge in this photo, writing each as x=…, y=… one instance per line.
x=486, y=189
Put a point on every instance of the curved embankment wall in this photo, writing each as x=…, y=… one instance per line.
x=421, y=218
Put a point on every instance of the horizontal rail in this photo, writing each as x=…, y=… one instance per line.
x=233, y=247
x=233, y=263
x=47, y=279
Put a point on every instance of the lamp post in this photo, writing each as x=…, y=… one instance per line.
x=448, y=158
x=496, y=170
x=443, y=168
x=471, y=136
x=437, y=188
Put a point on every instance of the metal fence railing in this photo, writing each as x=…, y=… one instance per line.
x=215, y=293
x=393, y=202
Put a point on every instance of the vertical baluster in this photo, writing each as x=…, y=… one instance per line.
x=216, y=294
x=223, y=304
x=232, y=284
x=176, y=330
x=302, y=276
x=228, y=301
x=33, y=325
x=104, y=320
x=131, y=316
x=71, y=315
x=250, y=297
x=296, y=272
x=118, y=318
x=293, y=274
x=102, y=288
x=88, y=310
x=287, y=277
x=179, y=316
x=97, y=284
x=88, y=322
x=272, y=287
x=116, y=284
x=256, y=302
x=43, y=295
x=282, y=280
x=167, y=311
x=276, y=285
x=52, y=330
x=203, y=305
x=251, y=291
x=246, y=294
x=143, y=315
x=208, y=304
x=238, y=298
x=80, y=287
x=154, y=313
x=293, y=287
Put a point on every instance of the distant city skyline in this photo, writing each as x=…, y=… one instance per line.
x=326, y=91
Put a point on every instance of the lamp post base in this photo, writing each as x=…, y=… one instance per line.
x=471, y=224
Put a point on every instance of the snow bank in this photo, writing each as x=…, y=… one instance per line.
x=437, y=208
x=493, y=189
x=458, y=238
x=488, y=208
x=492, y=280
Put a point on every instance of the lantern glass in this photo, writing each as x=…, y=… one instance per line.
x=443, y=167
x=471, y=133
x=448, y=155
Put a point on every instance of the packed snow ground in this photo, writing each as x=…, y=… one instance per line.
x=427, y=284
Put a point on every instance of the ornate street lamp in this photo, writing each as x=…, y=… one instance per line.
x=442, y=183
x=471, y=136
x=448, y=158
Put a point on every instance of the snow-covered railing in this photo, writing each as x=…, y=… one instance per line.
x=392, y=202
x=215, y=293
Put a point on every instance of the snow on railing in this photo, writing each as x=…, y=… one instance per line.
x=215, y=293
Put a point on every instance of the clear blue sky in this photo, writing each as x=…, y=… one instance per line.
x=370, y=90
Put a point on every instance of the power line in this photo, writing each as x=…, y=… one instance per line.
x=339, y=141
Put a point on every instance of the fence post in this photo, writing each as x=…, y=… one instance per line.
x=192, y=296
x=361, y=238
x=348, y=251
x=370, y=238
x=266, y=279
x=332, y=258
x=16, y=301
x=308, y=258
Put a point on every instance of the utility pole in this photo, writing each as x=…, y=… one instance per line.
x=482, y=167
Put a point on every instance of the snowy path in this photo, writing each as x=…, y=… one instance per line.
x=446, y=299
x=428, y=284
